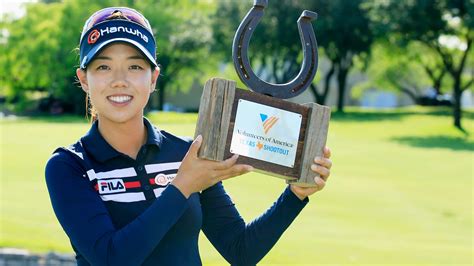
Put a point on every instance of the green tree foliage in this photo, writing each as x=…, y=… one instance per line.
x=443, y=26
x=73, y=16
x=391, y=70
x=345, y=30
x=40, y=48
x=275, y=47
x=342, y=30
x=184, y=35
x=28, y=49
x=408, y=69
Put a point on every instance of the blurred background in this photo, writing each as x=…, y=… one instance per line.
x=398, y=75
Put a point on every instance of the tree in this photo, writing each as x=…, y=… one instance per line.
x=183, y=35
x=28, y=49
x=407, y=69
x=345, y=33
x=342, y=30
x=66, y=61
x=41, y=55
x=444, y=26
x=180, y=59
x=275, y=48
x=393, y=68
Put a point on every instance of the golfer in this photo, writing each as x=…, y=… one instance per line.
x=128, y=193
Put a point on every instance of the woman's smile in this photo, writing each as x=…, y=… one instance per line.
x=120, y=100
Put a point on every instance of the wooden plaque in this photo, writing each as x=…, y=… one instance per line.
x=217, y=118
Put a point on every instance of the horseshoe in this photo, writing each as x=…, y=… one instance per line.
x=242, y=63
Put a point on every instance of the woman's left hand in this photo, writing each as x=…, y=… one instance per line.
x=322, y=167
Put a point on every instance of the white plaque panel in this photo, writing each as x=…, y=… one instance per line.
x=266, y=133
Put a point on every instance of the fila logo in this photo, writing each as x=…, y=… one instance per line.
x=110, y=186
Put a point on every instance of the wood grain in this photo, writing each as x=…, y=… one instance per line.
x=214, y=116
x=315, y=140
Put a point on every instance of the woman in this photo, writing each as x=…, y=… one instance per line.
x=129, y=194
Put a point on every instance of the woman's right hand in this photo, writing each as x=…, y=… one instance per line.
x=197, y=174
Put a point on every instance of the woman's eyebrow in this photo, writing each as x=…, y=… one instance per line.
x=136, y=57
x=103, y=57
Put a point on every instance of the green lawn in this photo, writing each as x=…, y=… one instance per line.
x=400, y=190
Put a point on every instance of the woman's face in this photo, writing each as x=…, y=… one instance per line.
x=119, y=82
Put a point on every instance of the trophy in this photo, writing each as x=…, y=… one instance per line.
x=275, y=136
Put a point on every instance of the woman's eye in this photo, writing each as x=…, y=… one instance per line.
x=102, y=67
x=136, y=67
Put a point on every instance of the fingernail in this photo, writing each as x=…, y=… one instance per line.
x=318, y=179
x=250, y=168
x=314, y=167
x=198, y=138
x=317, y=159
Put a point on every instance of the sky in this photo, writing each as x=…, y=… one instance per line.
x=13, y=7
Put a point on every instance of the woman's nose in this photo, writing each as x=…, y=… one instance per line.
x=119, y=79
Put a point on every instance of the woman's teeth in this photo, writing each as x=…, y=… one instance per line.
x=119, y=99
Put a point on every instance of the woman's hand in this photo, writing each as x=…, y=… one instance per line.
x=197, y=174
x=322, y=167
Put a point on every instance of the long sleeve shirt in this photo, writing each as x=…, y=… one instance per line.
x=122, y=211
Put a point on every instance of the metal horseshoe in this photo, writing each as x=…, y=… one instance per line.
x=242, y=64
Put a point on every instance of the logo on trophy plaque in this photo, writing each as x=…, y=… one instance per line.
x=273, y=135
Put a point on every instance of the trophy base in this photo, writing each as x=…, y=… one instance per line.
x=284, y=145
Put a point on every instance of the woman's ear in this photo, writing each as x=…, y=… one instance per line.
x=154, y=78
x=82, y=76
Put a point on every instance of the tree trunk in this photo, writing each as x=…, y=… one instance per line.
x=161, y=90
x=410, y=94
x=317, y=97
x=161, y=102
x=457, y=112
x=456, y=73
x=437, y=79
x=327, y=82
x=341, y=84
x=438, y=82
x=157, y=99
x=321, y=98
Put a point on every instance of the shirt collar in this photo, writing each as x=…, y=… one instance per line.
x=102, y=151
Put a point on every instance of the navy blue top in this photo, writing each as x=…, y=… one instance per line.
x=120, y=211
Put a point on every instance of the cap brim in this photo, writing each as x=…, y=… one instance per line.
x=94, y=51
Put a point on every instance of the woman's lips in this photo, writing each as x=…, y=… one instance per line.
x=120, y=99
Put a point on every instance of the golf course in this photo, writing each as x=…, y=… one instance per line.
x=400, y=190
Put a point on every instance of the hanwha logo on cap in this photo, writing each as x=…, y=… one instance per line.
x=93, y=37
x=161, y=180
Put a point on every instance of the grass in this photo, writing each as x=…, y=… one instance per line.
x=400, y=191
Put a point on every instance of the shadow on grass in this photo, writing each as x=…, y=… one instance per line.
x=372, y=115
x=444, y=142
x=351, y=115
x=59, y=119
x=368, y=116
